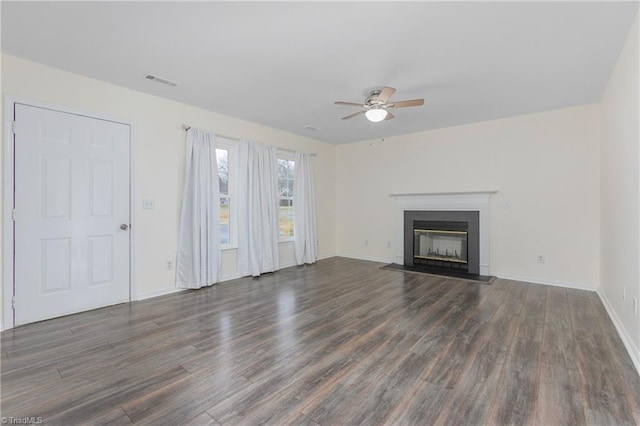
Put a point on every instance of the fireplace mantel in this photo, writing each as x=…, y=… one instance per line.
x=461, y=201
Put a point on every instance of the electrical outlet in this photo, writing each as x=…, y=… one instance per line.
x=168, y=265
x=506, y=204
x=366, y=242
x=148, y=204
x=540, y=258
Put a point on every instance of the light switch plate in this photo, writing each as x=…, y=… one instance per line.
x=148, y=204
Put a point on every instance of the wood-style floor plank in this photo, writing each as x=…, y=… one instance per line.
x=340, y=342
x=471, y=401
x=115, y=417
x=517, y=392
x=560, y=399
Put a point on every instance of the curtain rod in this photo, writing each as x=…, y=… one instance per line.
x=187, y=127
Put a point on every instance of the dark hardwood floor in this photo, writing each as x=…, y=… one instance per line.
x=337, y=343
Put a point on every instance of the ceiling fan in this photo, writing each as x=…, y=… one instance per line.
x=377, y=103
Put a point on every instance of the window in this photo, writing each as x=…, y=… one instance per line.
x=226, y=153
x=286, y=168
x=222, y=156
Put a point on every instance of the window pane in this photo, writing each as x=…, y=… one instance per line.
x=285, y=189
x=225, y=235
x=285, y=177
x=282, y=177
x=286, y=218
x=292, y=165
x=290, y=187
x=223, y=169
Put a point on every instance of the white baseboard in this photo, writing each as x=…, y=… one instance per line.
x=172, y=290
x=224, y=278
x=157, y=293
x=290, y=264
x=236, y=275
x=632, y=349
x=545, y=281
x=326, y=256
x=556, y=283
x=230, y=277
x=287, y=265
x=367, y=258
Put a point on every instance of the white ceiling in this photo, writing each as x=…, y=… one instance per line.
x=283, y=64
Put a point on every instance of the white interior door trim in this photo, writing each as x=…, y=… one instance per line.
x=7, y=198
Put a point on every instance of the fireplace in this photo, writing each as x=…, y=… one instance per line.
x=441, y=244
x=471, y=208
x=447, y=240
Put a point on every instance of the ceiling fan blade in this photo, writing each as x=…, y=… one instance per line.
x=389, y=116
x=353, y=115
x=348, y=104
x=386, y=94
x=404, y=104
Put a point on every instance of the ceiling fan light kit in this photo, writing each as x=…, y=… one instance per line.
x=376, y=114
x=376, y=105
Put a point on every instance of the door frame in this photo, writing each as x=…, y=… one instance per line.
x=8, y=317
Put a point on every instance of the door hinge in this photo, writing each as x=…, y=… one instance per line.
x=13, y=215
x=13, y=302
x=13, y=127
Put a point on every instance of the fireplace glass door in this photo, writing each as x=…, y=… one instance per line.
x=440, y=245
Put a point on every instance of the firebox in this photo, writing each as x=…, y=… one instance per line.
x=442, y=240
x=441, y=244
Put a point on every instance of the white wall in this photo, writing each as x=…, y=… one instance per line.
x=620, y=193
x=546, y=165
x=159, y=141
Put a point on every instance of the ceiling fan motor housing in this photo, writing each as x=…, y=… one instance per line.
x=372, y=99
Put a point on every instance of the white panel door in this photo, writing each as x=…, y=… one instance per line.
x=71, y=197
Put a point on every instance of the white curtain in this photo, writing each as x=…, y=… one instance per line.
x=257, y=209
x=304, y=207
x=198, y=262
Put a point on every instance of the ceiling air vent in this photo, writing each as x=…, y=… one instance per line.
x=161, y=80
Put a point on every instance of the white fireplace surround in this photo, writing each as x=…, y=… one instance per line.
x=452, y=201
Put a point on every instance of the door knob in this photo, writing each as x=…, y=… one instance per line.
x=124, y=226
